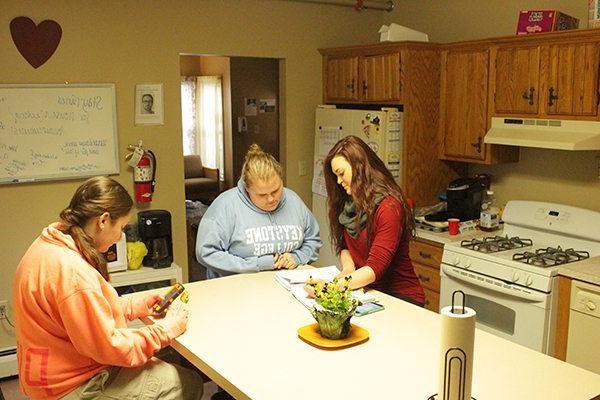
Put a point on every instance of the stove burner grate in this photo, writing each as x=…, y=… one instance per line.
x=550, y=256
x=494, y=244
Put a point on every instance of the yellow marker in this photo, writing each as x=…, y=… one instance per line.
x=171, y=295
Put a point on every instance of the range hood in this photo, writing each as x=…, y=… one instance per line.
x=545, y=133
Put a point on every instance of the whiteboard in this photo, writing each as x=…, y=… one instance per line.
x=57, y=132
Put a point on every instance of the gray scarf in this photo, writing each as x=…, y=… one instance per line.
x=352, y=221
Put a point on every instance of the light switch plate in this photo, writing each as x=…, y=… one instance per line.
x=302, y=168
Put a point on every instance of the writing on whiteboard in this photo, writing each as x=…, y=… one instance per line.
x=57, y=131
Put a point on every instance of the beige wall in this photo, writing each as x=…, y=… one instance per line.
x=456, y=20
x=129, y=42
x=544, y=175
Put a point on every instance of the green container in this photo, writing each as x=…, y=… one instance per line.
x=333, y=325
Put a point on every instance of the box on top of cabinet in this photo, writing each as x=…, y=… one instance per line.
x=536, y=21
x=395, y=33
x=594, y=14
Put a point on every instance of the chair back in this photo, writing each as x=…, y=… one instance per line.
x=192, y=166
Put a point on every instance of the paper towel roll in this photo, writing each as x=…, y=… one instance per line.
x=456, y=353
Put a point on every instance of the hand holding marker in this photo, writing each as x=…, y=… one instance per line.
x=171, y=295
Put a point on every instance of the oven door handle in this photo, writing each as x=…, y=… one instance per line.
x=448, y=270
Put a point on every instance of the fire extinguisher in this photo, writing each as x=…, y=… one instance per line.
x=143, y=163
x=144, y=174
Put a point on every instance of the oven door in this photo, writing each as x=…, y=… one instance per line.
x=509, y=311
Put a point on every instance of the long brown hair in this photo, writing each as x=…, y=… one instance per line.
x=93, y=198
x=369, y=178
x=259, y=165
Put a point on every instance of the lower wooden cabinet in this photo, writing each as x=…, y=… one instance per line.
x=426, y=257
x=432, y=300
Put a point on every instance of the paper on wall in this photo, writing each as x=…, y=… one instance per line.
x=327, y=137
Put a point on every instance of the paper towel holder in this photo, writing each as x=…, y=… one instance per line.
x=455, y=354
x=463, y=301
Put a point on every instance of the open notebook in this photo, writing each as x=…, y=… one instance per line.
x=294, y=280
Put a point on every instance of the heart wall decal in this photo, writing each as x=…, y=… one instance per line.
x=36, y=43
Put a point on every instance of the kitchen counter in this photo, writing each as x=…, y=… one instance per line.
x=242, y=333
x=444, y=237
x=586, y=270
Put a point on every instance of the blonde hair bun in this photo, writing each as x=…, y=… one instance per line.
x=259, y=165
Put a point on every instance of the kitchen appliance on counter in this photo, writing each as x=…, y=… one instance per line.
x=511, y=280
x=116, y=256
x=381, y=129
x=463, y=198
x=154, y=229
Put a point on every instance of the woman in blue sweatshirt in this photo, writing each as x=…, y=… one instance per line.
x=258, y=225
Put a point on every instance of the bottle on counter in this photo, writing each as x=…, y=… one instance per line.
x=489, y=219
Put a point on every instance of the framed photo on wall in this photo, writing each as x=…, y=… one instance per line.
x=149, y=108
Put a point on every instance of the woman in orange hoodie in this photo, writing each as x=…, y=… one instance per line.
x=72, y=336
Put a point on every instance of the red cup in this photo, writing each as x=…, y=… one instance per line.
x=453, y=224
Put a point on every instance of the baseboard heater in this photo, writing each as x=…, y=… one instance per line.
x=8, y=362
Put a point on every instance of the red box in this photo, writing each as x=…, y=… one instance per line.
x=536, y=21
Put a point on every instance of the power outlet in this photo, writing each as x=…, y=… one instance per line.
x=3, y=308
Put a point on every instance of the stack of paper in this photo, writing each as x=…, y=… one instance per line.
x=294, y=280
x=289, y=277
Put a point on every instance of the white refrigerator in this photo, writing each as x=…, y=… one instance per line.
x=380, y=129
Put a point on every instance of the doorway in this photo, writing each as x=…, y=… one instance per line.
x=250, y=105
x=250, y=113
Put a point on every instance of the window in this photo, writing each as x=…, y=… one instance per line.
x=202, y=119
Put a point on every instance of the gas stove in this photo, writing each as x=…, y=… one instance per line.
x=537, y=239
x=509, y=278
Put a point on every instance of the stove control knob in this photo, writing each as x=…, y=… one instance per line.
x=515, y=276
x=528, y=280
x=456, y=261
x=467, y=264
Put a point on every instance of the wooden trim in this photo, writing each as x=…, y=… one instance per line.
x=562, y=317
x=379, y=48
x=575, y=35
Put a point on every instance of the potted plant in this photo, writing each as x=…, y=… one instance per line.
x=334, y=307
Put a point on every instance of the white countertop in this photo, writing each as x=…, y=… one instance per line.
x=242, y=333
x=445, y=237
x=586, y=270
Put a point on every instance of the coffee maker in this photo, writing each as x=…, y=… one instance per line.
x=463, y=197
x=154, y=229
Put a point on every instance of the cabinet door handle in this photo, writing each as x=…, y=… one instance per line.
x=365, y=87
x=351, y=86
x=529, y=96
x=424, y=255
x=423, y=278
x=477, y=144
x=551, y=96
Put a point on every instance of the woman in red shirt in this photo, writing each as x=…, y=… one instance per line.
x=370, y=221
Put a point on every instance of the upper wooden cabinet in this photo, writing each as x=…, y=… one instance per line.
x=463, y=103
x=571, y=81
x=370, y=77
x=342, y=78
x=380, y=78
x=546, y=79
x=516, y=78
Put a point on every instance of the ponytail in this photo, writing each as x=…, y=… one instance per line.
x=93, y=198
